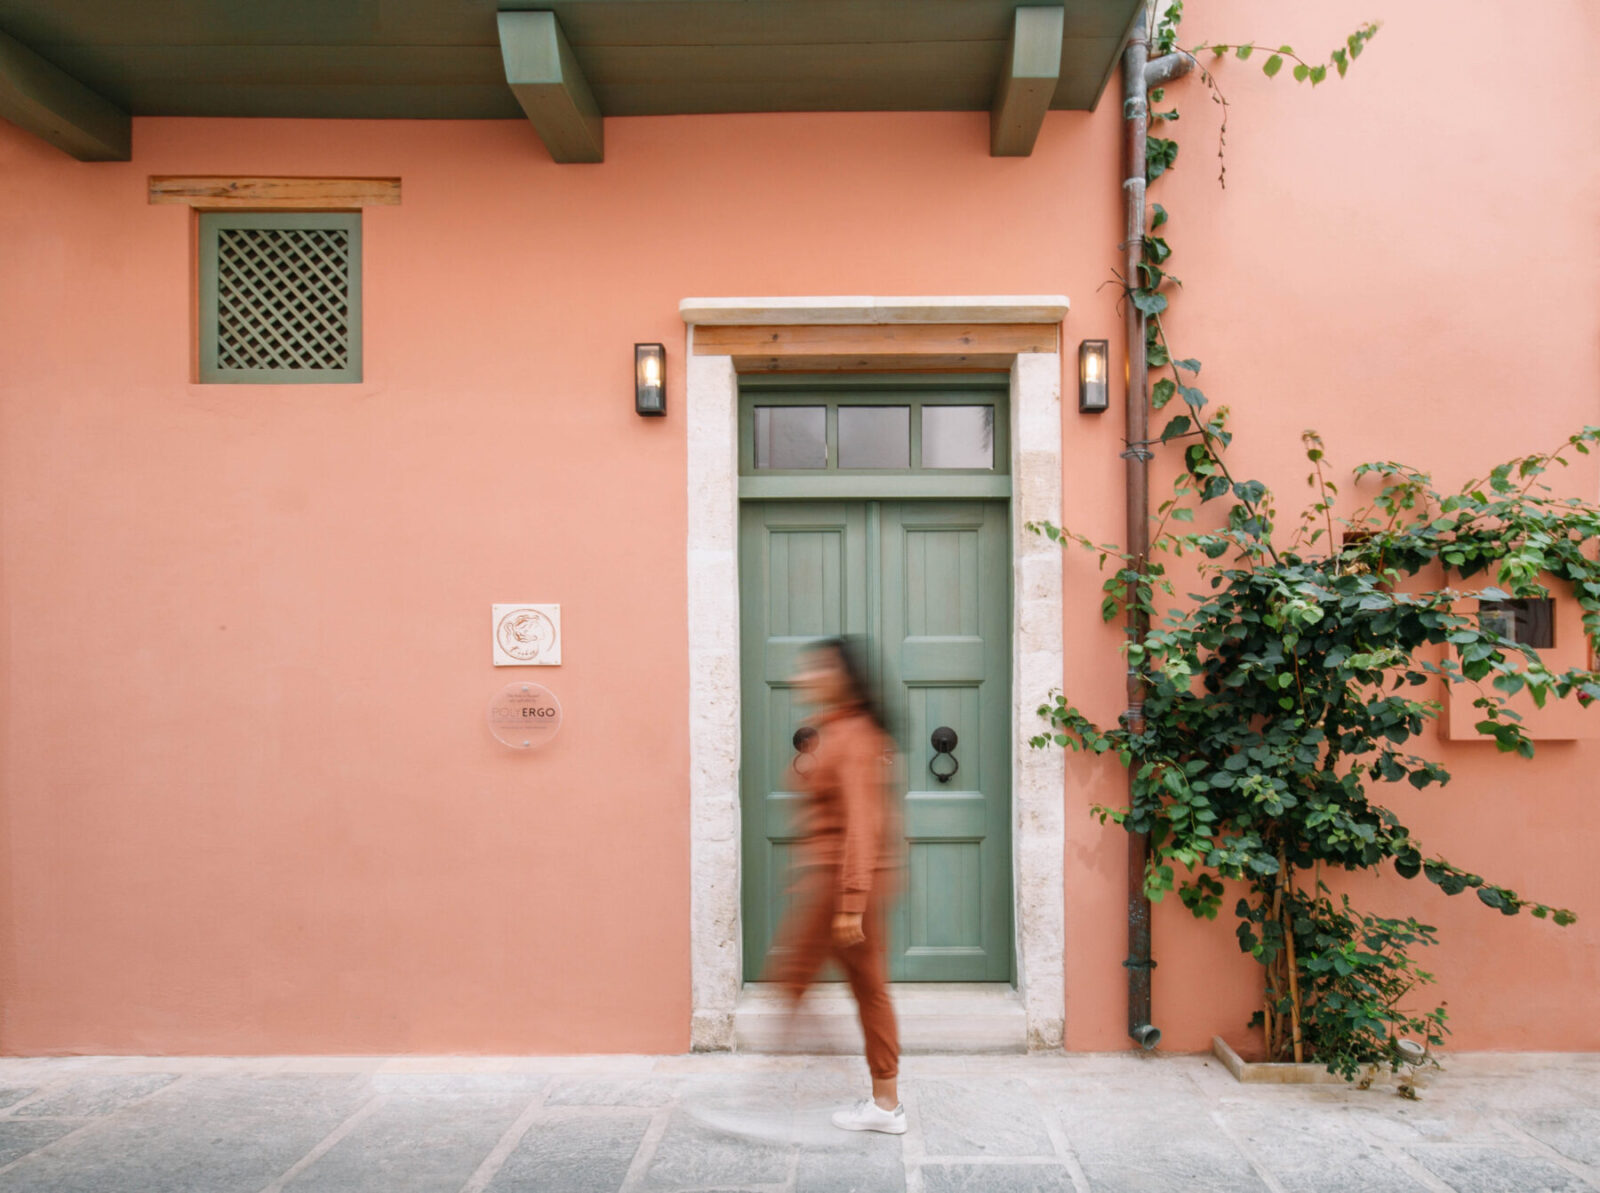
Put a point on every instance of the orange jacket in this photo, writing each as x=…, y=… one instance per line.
x=848, y=818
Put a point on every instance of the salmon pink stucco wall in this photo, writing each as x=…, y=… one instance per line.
x=1405, y=260
x=248, y=802
x=251, y=804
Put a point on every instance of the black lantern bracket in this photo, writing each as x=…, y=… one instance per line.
x=650, y=380
x=1094, y=361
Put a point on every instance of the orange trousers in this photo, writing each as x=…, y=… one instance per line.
x=805, y=942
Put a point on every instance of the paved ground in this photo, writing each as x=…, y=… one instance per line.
x=1107, y=1123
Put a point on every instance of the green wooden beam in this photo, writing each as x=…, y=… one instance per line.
x=52, y=105
x=548, y=83
x=1027, y=83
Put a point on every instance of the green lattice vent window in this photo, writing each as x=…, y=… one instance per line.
x=280, y=297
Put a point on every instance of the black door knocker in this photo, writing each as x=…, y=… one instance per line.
x=943, y=742
x=805, y=745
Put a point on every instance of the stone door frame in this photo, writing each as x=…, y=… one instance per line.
x=711, y=404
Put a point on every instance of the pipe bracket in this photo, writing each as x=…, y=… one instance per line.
x=1162, y=70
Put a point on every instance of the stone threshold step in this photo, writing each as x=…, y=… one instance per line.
x=933, y=1017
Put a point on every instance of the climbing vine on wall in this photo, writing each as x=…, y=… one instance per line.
x=1282, y=698
x=1161, y=152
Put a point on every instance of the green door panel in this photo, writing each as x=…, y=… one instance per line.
x=926, y=584
x=947, y=661
x=802, y=577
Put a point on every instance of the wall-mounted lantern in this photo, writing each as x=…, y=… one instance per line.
x=649, y=379
x=1093, y=359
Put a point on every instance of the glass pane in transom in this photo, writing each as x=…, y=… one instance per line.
x=874, y=437
x=958, y=436
x=791, y=436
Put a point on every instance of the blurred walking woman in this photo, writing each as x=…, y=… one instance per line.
x=847, y=867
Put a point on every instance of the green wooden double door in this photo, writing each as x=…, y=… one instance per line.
x=926, y=587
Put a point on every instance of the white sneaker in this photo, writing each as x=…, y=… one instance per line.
x=867, y=1115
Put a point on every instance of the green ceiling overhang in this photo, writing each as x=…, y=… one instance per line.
x=70, y=70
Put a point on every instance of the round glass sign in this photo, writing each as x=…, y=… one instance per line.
x=524, y=716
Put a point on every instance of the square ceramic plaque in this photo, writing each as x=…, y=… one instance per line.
x=527, y=635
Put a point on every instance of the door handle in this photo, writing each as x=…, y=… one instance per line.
x=805, y=744
x=943, y=741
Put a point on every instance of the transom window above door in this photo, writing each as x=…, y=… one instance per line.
x=893, y=427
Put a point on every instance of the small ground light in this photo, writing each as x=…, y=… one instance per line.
x=1093, y=356
x=649, y=379
x=1413, y=1056
x=1411, y=1052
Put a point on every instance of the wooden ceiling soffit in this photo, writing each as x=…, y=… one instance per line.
x=549, y=84
x=1028, y=82
x=52, y=105
x=824, y=348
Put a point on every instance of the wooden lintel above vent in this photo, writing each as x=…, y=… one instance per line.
x=891, y=346
x=220, y=193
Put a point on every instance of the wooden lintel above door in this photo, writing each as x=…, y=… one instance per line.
x=812, y=348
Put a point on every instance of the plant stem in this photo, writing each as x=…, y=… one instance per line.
x=1213, y=445
x=1274, y=988
x=1288, y=940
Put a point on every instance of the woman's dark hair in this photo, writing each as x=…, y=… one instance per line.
x=852, y=660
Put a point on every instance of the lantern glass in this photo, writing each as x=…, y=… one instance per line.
x=649, y=379
x=1093, y=389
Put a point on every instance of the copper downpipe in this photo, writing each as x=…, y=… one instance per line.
x=1138, y=75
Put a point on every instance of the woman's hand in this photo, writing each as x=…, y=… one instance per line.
x=847, y=930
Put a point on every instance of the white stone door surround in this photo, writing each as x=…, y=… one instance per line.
x=711, y=408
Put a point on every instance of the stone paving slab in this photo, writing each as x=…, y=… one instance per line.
x=19, y=1138
x=203, y=1133
x=588, y=1153
x=1116, y=1123
x=996, y=1178
x=429, y=1143
x=863, y=1162
x=981, y=1117
x=1574, y=1131
x=1494, y=1170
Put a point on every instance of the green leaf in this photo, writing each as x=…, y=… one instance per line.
x=1245, y=51
x=1301, y=71
x=1159, y=154
x=1162, y=393
x=1159, y=217
x=1272, y=65
x=1149, y=302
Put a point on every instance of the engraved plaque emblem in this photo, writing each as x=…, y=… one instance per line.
x=524, y=716
x=527, y=635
